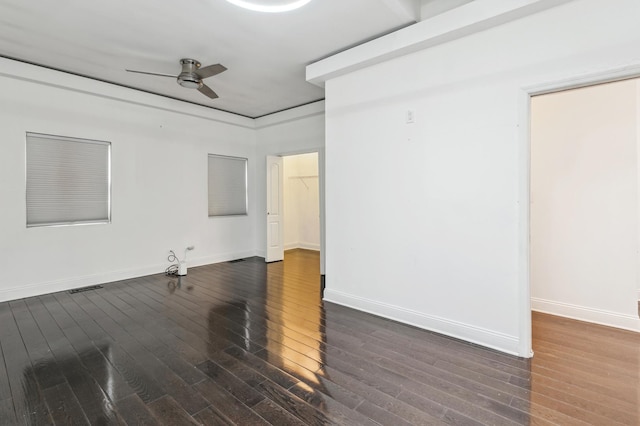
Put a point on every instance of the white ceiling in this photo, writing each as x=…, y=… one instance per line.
x=265, y=54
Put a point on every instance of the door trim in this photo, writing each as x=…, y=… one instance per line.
x=321, y=176
x=524, y=184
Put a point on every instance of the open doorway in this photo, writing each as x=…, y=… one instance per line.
x=584, y=203
x=294, y=205
x=301, y=197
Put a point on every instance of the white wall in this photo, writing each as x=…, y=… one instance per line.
x=431, y=8
x=159, y=175
x=425, y=221
x=301, y=202
x=584, y=203
x=287, y=133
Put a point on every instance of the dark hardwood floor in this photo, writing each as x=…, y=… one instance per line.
x=248, y=343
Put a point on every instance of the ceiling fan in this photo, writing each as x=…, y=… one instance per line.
x=192, y=75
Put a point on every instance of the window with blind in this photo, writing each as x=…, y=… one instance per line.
x=227, y=186
x=68, y=180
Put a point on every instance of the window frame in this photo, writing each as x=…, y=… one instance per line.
x=108, y=145
x=245, y=161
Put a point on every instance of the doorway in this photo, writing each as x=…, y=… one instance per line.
x=295, y=204
x=301, y=196
x=583, y=203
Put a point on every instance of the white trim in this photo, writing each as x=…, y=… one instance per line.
x=219, y=258
x=38, y=289
x=309, y=246
x=44, y=76
x=323, y=222
x=524, y=183
x=525, y=301
x=76, y=282
x=293, y=114
x=35, y=74
x=482, y=336
x=470, y=18
x=587, y=79
x=583, y=313
x=302, y=245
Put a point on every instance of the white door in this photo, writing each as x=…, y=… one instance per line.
x=275, y=232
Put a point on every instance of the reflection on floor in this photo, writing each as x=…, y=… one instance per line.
x=248, y=343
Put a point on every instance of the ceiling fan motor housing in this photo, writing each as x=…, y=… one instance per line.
x=188, y=77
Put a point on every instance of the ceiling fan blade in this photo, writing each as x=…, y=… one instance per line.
x=153, y=73
x=207, y=91
x=210, y=70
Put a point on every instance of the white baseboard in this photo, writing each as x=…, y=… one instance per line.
x=470, y=333
x=64, y=284
x=309, y=246
x=581, y=313
x=107, y=277
x=208, y=260
x=302, y=245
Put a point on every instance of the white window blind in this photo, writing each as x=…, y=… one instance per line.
x=227, y=185
x=68, y=180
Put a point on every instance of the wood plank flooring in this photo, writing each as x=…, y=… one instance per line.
x=248, y=343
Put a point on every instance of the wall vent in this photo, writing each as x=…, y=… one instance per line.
x=80, y=290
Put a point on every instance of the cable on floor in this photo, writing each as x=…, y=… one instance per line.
x=172, y=269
